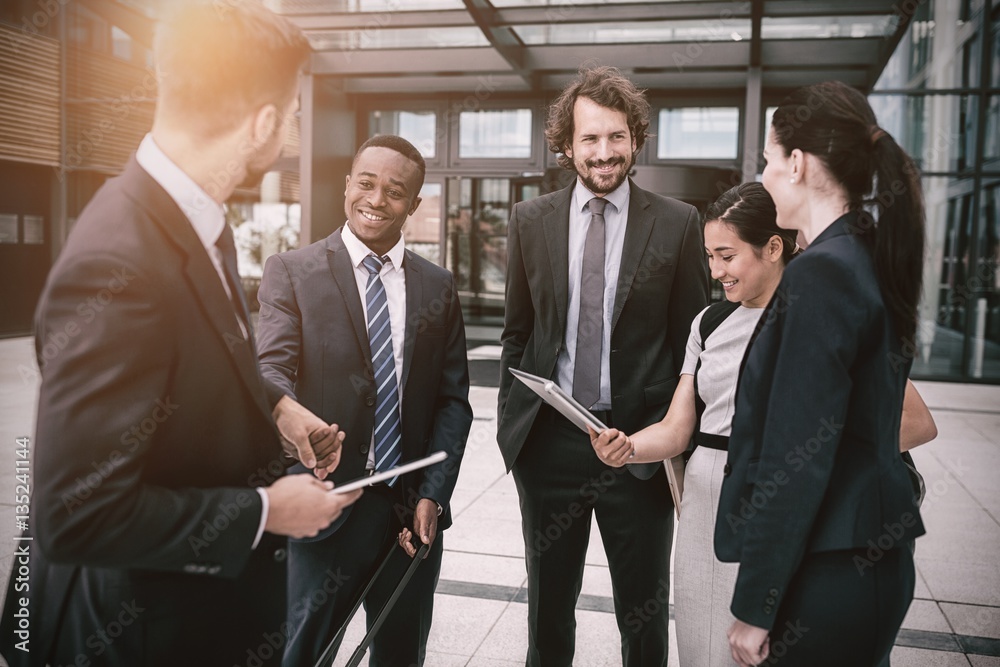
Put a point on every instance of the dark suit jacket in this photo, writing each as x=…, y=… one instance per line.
x=152, y=428
x=814, y=450
x=313, y=345
x=662, y=285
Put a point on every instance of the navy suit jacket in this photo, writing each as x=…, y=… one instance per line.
x=313, y=346
x=153, y=425
x=662, y=285
x=814, y=460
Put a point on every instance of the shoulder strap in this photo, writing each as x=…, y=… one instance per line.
x=714, y=316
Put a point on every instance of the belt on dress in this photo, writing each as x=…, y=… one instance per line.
x=712, y=441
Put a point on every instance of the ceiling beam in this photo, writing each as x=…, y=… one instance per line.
x=474, y=60
x=503, y=38
x=374, y=20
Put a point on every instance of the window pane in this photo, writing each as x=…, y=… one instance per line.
x=635, y=32
x=34, y=230
x=984, y=288
x=938, y=131
x=699, y=133
x=502, y=133
x=8, y=228
x=417, y=127
x=825, y=27
x=422, y=231
x=336, y=6
x=397, y=38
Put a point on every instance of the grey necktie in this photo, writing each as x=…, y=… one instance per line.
x=590, y=333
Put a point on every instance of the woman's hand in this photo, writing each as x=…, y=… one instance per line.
x=748, y=643
x=612, y=446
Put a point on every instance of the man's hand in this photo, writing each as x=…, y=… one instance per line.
x=301, y=505
x=748, y=644
x=425, y=523
x=308, y=438
x=612, y=446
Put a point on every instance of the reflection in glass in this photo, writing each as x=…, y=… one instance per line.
x=417, y=127
x=825, y=27
x=501, y=133
x=422, y=231
x=698, y=133
x=984, y=357
x=476, y=244
x=397, y=38
x=720, y=30
x=938, y=131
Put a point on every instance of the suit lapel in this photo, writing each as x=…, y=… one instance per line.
x=414, y=299
x=637, y=231
x=203, y=281
x=343, y=275
x=555, y=226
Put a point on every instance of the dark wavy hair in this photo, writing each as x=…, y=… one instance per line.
x=608, y=87
x=835, y=123
x=749, y=210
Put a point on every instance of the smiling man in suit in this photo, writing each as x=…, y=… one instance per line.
x=603, y=281
x=367, y=333
x=160, y=506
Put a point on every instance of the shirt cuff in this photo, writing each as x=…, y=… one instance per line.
x=265, y=505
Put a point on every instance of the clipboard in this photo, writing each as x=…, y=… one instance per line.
x=565, y=404
x=580, y=417
x=362, y=482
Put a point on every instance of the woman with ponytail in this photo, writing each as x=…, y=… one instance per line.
x=817, y=506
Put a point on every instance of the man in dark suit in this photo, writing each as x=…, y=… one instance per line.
x=363, y=331
x=603, y=281
x=160, y=506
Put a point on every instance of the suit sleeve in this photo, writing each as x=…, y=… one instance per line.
x=92, y=505
x=519, y=314
x=819, y=321
x=452, y=411
x=689, y=293
x=279, y=331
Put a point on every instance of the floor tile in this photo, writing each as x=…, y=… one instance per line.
x=925, y=615
x=968, y=583
x=973, y=620
x=483, y=568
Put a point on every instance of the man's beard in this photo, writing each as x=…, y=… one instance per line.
x=604, y=186
x=253, y=177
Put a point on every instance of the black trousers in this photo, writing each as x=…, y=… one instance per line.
x=325, y=578
x=843, y=608
x=562, y=484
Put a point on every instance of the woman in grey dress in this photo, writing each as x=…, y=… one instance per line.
x=747, y=253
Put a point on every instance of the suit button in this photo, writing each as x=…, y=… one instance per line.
x=363, y=448
x=773, y=592
x=725, y=473
x=215, y=569
x=769, y=600
x=280, y=555
x=370, y=401
x=190, y=568
x=767, y=609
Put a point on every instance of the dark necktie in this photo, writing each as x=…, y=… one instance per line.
x=388, y=446
x=227, y=247
x=590, y=333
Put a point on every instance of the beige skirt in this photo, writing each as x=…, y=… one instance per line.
x=703, y=586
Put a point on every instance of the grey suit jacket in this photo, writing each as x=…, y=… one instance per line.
x=662, y=285
x=313, y=346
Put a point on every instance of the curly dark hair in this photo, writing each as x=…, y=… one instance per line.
x=608, y=87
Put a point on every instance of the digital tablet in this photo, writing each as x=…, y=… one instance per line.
x=385, y=475
x=567, y=406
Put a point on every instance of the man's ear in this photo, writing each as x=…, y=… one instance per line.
x=568, y=151
x=416, y=203
x=347, y=183
x=264, y=125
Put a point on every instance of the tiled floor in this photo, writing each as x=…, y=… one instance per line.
x=480, y=608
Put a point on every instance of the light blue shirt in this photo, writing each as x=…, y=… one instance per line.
x=615, y=221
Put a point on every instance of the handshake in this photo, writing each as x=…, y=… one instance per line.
x=301, y=505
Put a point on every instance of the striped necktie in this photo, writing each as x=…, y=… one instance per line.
x=388, y=446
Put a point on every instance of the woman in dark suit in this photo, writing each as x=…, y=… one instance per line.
x=817, y=506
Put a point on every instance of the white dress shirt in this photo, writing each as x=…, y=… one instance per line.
x=208, y=219
x=615, y=221
x=394, y=281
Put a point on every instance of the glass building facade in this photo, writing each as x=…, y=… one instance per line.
x=939, y=96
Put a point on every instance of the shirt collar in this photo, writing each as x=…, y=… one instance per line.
x=358, y=250
x=206, y=215
x=617, y=197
